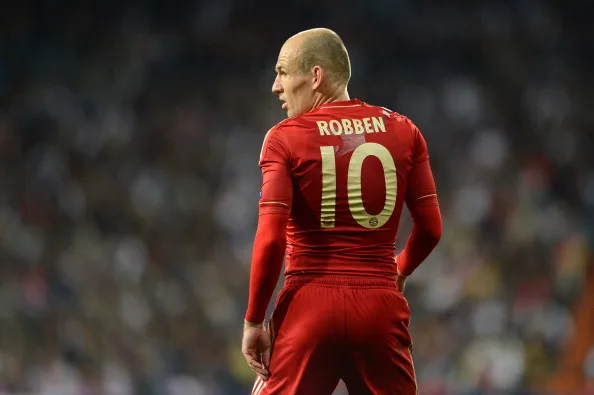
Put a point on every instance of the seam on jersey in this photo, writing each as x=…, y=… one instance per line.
x=353, y=105
x=427, y=196
x=279, y=203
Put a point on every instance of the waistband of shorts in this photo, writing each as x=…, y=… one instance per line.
x=339, y=280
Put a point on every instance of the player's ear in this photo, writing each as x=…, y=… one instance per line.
x=317, y=76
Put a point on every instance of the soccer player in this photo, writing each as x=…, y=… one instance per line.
x=336, y=174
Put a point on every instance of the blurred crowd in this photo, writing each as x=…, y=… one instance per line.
x=129, y=139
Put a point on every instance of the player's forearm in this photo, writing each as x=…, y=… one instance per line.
x=265, y=271
x=423, y=239
x=267, y=262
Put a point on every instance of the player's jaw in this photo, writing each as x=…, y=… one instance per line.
x=296, y=101
x=289, y=108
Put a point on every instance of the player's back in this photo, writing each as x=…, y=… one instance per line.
x=349, y=164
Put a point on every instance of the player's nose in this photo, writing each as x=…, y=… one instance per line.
x=276, y=86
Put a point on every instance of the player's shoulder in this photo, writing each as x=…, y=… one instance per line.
x=291, y=124
x=282, y=125
x=397, y=117
x=277, y=136
x=285, y=127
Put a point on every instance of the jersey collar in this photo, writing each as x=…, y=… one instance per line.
x=343, y=103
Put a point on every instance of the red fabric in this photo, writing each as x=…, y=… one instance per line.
x=270, y=240
x=292, y=194
x=424, y=209
x=312, y=349
x=348, y=247
x=423, y=238
x=267, y=261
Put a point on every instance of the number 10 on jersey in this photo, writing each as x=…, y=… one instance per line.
x=354, y=185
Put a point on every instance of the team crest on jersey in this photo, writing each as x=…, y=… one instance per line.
x=373, y=221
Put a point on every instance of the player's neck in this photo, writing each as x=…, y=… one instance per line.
x=321, y=99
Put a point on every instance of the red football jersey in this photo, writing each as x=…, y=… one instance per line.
x=349, y=163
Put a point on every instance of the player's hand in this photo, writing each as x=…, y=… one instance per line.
x=255, y=347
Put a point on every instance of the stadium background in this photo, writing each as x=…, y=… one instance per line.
x=129, y=138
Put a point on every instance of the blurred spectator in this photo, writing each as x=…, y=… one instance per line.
x=129, y=138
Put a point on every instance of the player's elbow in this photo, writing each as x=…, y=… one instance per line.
x=432, y=231
x=434, y=234
x=277, y=244
x=273, y=243
x=428, y=222
x=270, y=234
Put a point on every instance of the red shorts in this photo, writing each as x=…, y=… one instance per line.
x=327, y=328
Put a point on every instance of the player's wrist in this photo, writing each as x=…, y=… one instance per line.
x=248, y=324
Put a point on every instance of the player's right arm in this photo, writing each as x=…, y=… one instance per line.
x=421, y=200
